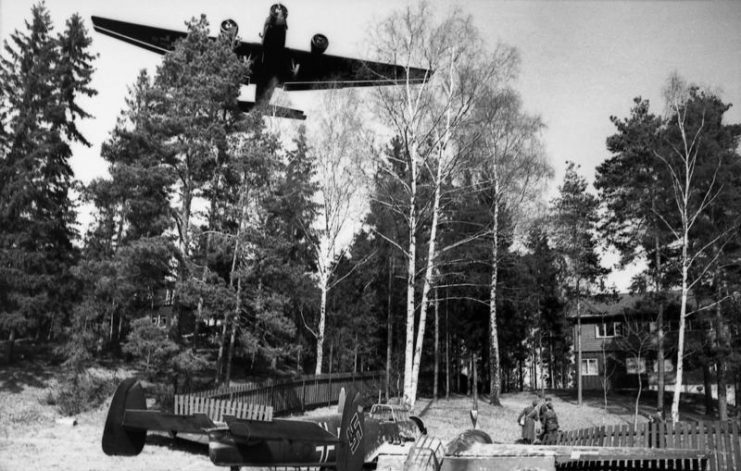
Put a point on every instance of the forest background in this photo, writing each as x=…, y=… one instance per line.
x=220, y=239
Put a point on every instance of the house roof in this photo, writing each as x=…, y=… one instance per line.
x=620, y=305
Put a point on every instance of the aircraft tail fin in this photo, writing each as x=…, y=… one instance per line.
x=272, y=110
x=117, y=439
x=351, y=449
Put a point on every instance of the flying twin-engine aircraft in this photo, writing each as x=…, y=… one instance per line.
x=345, y=440
x=274, y=64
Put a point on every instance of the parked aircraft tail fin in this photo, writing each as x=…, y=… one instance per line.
x=129, y=420
x=351, y=449
x=117, y=439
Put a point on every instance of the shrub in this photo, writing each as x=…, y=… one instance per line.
x=80, y=392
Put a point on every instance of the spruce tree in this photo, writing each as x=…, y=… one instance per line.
x=41, y=77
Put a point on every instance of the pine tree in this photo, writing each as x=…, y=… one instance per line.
x=634, y=187
x=574, y=224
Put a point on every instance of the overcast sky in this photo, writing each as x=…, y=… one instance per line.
x=582, y=61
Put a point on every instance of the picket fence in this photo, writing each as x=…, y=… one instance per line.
x=719, y=440
x=216, y=409
x=293, y=395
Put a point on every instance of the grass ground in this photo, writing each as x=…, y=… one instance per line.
x=32, y=439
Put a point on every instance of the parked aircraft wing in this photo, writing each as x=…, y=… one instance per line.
x=280, y=429
x=324, y=71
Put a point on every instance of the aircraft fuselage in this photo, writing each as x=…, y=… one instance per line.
x=226, y=449
x=274, y=60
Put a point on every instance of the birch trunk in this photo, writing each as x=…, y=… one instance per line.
x=494, y=372
x=426, y=286
x=447, y=353
x=411, y=271
x=323, y=287
x=682, y=317
x=578, y=347
x=436, y=368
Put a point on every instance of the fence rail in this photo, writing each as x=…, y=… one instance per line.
x=720, y=440
x=292, y=395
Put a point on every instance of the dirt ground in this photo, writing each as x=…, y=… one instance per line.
x=31, y=438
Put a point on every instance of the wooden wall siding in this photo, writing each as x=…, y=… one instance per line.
x=720, y=440
x=590, y=342
x=298, y=394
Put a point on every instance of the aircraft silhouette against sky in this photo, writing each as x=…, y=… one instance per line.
x=345, y=440
x=275, y=65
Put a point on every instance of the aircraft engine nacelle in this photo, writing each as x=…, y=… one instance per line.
x=229, y=26
x=319, y=44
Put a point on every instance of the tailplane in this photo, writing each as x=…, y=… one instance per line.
x=272, y=110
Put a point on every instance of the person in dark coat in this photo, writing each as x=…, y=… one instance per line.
x=549, y=432
x=527, y=419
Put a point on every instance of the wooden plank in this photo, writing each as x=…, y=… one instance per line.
x=679, y=432
x=631, y=435
x=735, y=444
x=710, y=449
x=728, y=444
x=670, y=442
x=718, y=437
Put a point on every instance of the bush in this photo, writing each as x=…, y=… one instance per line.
x=81, y=392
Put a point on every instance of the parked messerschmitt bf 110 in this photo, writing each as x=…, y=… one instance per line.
x=346, y=440
x=275, y=65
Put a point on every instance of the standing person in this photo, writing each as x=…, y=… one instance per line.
x=527, y=422
x=542, y=409
x=550, y=424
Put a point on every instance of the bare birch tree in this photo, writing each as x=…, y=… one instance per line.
x=340, y=151
x=511, y=172
x=428, y=119
x=683, y=135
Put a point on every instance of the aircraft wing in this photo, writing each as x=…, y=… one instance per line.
x=280, y=429
x=324, y=71
x=151, y=38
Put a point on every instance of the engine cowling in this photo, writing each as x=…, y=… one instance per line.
x=319, y=44
x=229, y=26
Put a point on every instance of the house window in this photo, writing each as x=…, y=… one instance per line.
x=668, y=365
x=635, y=365
x=608, y=329
x=589, y=367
